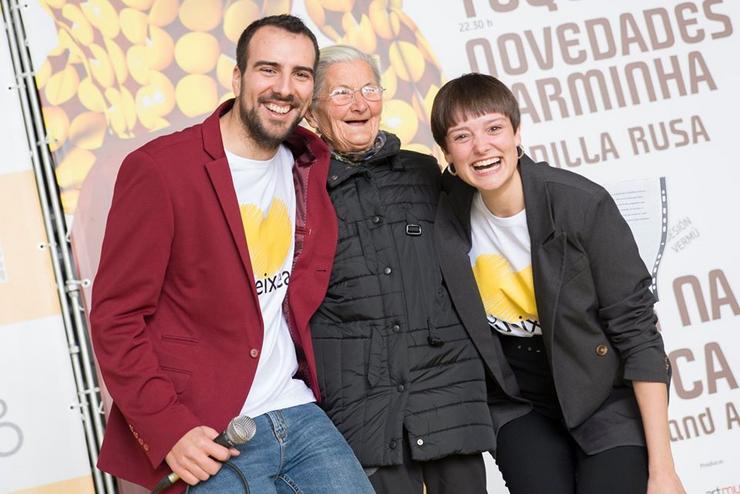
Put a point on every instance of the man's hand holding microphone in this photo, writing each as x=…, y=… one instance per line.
x=201, y=452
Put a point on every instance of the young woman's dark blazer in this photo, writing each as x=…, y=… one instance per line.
x=593, y=300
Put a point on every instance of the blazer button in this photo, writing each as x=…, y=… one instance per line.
x=602, y=350
x=254, y=352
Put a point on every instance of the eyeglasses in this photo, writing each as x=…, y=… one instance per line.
x=343, y=95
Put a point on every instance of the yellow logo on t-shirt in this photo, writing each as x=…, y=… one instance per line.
x=268, y=235
x=506, y=294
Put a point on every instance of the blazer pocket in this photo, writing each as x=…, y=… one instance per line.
x=179, y=377
x=180, y=338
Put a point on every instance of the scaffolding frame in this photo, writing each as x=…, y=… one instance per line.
x=55, y=224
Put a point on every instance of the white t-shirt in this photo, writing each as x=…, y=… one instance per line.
x=266, y=198
x=502, y=264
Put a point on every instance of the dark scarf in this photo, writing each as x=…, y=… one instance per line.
x=362, y=156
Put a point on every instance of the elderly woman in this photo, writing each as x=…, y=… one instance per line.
x=399, y=376
x=547, y=277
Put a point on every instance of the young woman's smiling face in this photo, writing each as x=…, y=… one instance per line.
x=483, y=151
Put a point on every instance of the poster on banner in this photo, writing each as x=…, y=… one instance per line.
x=629, y=93
x=40, y=424
x=638, y=96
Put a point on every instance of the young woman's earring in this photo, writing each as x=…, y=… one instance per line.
x=451, y=167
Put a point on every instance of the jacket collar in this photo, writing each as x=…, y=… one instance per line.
x=536, y=200
x=341, y=171
x=211, y=129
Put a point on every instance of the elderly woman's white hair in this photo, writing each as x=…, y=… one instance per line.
x=330, y=55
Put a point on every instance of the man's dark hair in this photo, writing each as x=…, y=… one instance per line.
x=287, y=22
x=471, y=95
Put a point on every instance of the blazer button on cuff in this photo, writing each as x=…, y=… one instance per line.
x=602, y=350
x=254, y=352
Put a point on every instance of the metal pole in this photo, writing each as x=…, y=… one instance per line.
x=68, y=286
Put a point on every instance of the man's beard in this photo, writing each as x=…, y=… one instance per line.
x=251, y=121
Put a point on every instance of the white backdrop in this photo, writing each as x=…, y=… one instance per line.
x=42, y=444
x=679, y=126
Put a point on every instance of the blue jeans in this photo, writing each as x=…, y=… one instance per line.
x=295, y=451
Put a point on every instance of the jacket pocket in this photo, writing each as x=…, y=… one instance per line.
x=179, y=377
x=180, y=338
x=327, y=346
x=377, y=366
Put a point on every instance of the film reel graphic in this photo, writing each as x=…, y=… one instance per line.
x=124, y=70
x=9, y=429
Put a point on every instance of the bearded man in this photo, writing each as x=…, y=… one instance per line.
x=217, y=252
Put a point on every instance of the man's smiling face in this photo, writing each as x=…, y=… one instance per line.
x=276, y=87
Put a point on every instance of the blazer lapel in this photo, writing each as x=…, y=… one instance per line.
x=223, y=185
x=452, y=239
x=547, y=244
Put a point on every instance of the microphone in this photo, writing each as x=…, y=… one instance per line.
x=239, y=431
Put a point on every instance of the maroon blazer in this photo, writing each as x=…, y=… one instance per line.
x=175, y=320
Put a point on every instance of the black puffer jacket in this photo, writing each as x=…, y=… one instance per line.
x=393, y=358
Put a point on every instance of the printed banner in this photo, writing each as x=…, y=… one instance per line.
x=635, y=96
x=42, y=443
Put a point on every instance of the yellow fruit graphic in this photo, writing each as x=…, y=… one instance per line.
x=399, y=117
x=148, y=65
x=163, y=12
x=197, y=53
x=201, y=15
x=196, y=94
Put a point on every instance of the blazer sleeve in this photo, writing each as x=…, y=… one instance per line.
x=132, y=270
x=623, y=288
